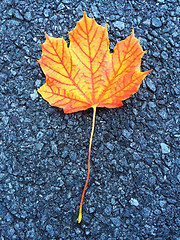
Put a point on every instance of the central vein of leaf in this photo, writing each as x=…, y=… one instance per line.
x=90, y=59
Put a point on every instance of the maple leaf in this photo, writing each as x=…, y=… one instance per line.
x=87, y=75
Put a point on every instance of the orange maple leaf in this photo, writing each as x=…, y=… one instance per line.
x=87, y=75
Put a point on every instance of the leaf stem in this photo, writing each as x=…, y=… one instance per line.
x=89, y=157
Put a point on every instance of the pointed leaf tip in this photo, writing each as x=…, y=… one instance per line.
x=133, y=30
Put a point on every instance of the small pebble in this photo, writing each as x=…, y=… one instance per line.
x=120, y=25
x=28, y=16
x=34, y=95
x=150, y=84
x=134, y=202
x=164, y=55
x=165, y=148
x=156, y=22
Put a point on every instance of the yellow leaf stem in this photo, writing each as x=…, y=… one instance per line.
x=89, y=157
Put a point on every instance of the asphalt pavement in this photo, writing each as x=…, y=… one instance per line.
x=133, y=189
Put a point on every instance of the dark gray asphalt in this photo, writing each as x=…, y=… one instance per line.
x=133, y=188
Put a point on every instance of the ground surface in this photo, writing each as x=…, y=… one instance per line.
x=133, y=188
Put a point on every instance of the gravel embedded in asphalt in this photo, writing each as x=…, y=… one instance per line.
x=133, y=187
